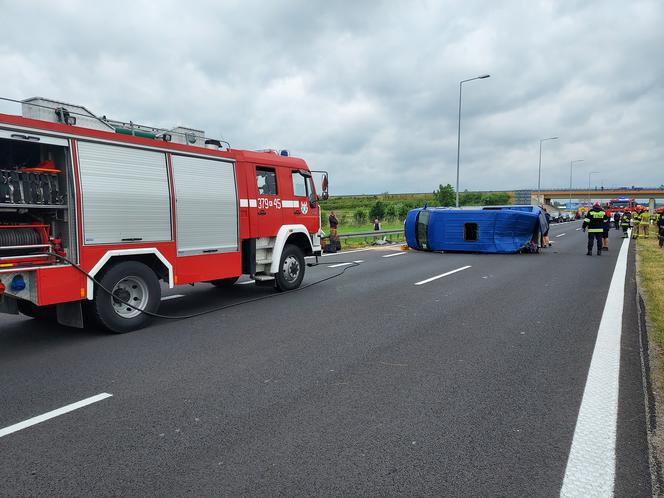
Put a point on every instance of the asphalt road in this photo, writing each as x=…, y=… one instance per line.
x=365, y=384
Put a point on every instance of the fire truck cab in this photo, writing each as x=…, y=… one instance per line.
x=94, y=213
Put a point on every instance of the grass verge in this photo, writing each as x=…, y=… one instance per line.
x=651, y=275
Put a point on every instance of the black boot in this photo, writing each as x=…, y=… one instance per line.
x=599, y=253
x=589, y=253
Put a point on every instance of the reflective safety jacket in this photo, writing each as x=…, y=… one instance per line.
x=594, y=220
x=645, y=218
x=625, y=219
x=636, y=218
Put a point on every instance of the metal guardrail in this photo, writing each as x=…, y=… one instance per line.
x=372, y=233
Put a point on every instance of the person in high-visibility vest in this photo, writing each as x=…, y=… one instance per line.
x=660, y=227
x=625, y=221
x=594, y=223
x=645, y=223
x=636, y=222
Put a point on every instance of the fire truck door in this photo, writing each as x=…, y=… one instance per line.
x=267, y=188
x=305, y=209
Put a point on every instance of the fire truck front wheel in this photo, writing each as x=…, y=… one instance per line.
x=129, y=282
x=291, y=269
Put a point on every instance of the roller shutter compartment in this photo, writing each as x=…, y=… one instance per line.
x=125, y=194
x=206, y=205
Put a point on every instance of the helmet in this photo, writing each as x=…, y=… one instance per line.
x=596, y=205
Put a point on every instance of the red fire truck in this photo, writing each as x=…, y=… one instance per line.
x=621, y=204
x=85, y=199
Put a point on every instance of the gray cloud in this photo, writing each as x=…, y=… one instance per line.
x=368, y=90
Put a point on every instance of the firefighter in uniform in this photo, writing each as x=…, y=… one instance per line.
x=625, y=220
x=636, y=222
x=660, y=227
x=594, y=223
x=645, y=223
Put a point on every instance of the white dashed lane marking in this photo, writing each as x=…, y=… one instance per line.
x=579, y=228
x=174, y=296
x=52, y=414
x=394, y=254
x=245, y=282
x=346, y=264
x=561, y=235
x=441, y=275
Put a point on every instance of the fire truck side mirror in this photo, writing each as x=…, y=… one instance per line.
x=324, y=195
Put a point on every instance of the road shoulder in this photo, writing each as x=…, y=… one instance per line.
x=632, y=456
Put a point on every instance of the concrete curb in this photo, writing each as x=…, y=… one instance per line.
x=652, y=399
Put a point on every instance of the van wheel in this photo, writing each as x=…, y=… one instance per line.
x=224, y=282
x=291, y=269
x=129, y=282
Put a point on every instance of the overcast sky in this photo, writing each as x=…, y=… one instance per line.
x=368, y=90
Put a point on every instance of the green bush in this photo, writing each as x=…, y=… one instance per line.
x=360, y=216
x=377, y=210
x=391, y=212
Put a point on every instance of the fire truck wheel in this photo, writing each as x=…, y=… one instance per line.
x=131, y=282
x=39, y=312
x=224, y=282
x=291, y=269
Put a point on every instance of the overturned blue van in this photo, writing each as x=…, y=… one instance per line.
x=493, y=229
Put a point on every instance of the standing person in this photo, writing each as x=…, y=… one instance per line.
x=605, y=234
x=645, y=223
x=546, y=242
x=636, y=222
x=594, y=223
x=334, y=223
x=616, y=220
x=376, y=224
x=625, y=220
x=660, y=227
x=335, y=244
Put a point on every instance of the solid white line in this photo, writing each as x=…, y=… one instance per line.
x=579, y=228
x=52, y=414
x=173, y=296
x=591, y=464
x=394, y=254
x=442, y=275
x=345, y=264
x=246, y=282
x=561, y=235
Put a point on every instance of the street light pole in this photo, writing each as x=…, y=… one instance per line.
x=459, y=131
x=589, y=174
x=571, y=163
x=539, y=169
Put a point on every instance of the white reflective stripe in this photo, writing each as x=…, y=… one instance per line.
x=252, y=203
x=126, y=252
x=244, y=203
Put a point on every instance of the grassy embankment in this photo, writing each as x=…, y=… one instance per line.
x=651, y=274
x=354, y=214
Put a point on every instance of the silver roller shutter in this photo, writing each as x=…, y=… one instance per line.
x=125, y=194
x=206, y=205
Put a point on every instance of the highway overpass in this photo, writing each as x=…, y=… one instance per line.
x=598, y=194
